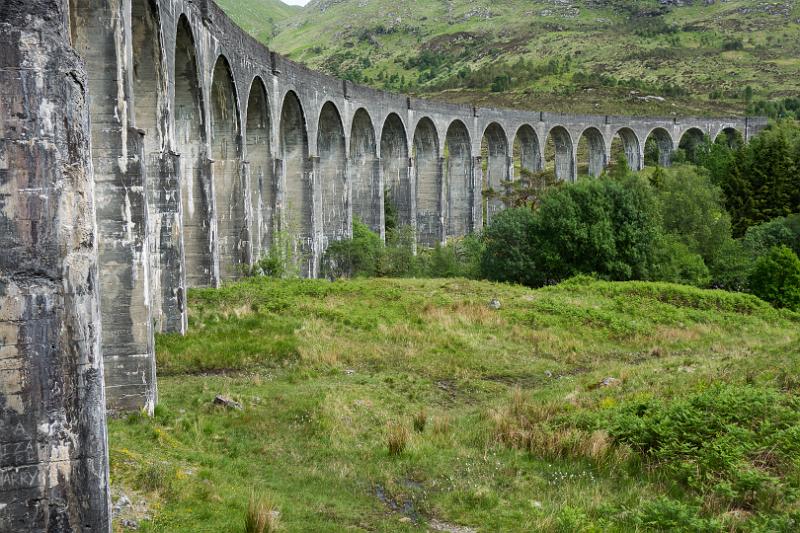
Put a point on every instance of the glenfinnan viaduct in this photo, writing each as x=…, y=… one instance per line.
x=148, y=146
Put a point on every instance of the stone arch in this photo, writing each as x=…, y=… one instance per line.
x=495, y=166
x=658, y=148
x=190, y=143
x=367, y=196
x=336, y=224
x=298, y=208
x=527, y=151
x=730, y=136
x=428, y=183
x=689, y=141
x=592, y=149
x=394, y=162
x=458, y=184
x=560, y=142
x=230, y=190
x=263, y=187
x=631, y=147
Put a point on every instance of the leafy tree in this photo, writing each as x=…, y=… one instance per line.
x=527, y=191
x=606, y=226
x=692, y=211
x=778, y=231
x=508, y=253
x=776, y=278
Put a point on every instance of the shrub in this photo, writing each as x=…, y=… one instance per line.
x=458, y=258
x=676, y=263
x=731, y=270
x=508, y=253
x=734, y=444
x=353, y=257
x=262, y=515
x=280, y=261
x=420, y=420
x=776, y=278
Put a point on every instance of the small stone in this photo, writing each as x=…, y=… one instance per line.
x=537, y=504
x=227, y=402
x=405, y=520
x=494, y=304
x=548, y=373
x=610, y=382
x=349, y=372
x=129, y=524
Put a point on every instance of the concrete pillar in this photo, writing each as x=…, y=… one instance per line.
x=381, y=198
x=53, y=444
x=317, y=238
x=480, y=218
x=102, y=39
x=168, y=281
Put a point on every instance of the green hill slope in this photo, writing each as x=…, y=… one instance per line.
x=260, y=18
x=603, y=56
x=588, y=406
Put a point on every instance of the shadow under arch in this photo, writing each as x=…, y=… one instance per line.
x=263, y=186
x=558, y=149
x=367, y=196
x=332, y=172
x=396, y=179
x=458, y=181
x=495, y=166
x=190, y=136
x=297, y=208
x=428, y=167
x=592, y=149
x=658, y=148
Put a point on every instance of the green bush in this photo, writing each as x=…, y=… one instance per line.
x=778, y=231
x=737, y=443
x=353, y=257
x=731, y=270
x=508, y=254
x=676, y=263
x=607, y=226
x=459, y=258
x=776, y=278
x=280, y=261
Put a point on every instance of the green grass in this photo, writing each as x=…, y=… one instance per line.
x=496, y=420
x=683, y=46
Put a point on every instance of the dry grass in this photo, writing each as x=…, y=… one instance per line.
x=397, y=437
x=262, y=515
x=420, y=420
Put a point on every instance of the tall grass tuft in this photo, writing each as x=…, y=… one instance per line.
x=420, y=420
x=262, y=515
x=397, y=436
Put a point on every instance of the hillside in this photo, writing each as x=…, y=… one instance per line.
x=260, y=18
x=588, y=406
x=602, y=56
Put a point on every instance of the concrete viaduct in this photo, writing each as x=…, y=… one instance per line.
x=149, y=146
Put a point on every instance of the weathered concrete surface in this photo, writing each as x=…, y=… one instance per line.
x=53, y=450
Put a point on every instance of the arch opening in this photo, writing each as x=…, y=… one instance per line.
x=558, y=154
x=658, y=148
x=190, y=140
x=396, y=176
x=691, y=140
x=730, y=137
x=336, y=223
x=527, y=157
x=496, y=170
x=263, y=188
x=367, y=195
x=627, y=139
x=591, y=153
x=233, y=241
x=458, y=181
x=428, y=184
x=298, y=208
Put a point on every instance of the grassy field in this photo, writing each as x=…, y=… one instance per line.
x=603, y=56
x=588, y=406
